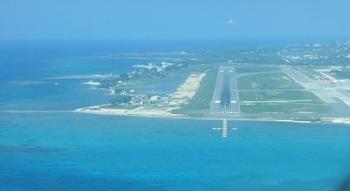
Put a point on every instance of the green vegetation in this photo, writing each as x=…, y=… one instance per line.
x=116, y=106
x=202, y=98
x=255, y=69
x=273, y=95
x=287, y=108
x=264, y=90
x=277, y=87
x=266, y=81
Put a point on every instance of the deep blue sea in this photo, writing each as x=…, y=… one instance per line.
x=43, y=147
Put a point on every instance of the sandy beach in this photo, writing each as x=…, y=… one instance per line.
x=185, y=92
x=182, y=95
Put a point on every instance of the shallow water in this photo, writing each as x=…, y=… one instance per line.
x=70, y=151
x=86, y=152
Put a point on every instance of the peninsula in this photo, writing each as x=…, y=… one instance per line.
x=296, y=90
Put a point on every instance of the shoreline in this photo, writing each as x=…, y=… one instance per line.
x=111, y=112
x=181, y=96
x=95, y=111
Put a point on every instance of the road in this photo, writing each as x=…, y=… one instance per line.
x=326, y=92
x=225, y=101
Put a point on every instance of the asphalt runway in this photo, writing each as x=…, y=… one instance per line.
x=225, y=102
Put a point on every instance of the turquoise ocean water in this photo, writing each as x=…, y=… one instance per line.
x=59, y=150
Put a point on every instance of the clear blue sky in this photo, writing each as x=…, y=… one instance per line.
x=173, y=19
